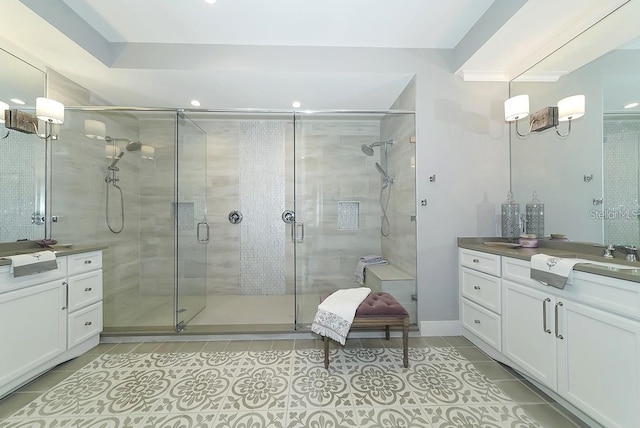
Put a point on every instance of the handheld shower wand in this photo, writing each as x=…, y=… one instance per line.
x=115, y=161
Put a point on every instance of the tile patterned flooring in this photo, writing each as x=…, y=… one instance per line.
x=282, y=383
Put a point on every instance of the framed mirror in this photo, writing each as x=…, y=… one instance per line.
x=22, y=156
x=589, y=180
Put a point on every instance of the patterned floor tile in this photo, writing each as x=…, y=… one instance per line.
x=488, y=416
x=414, y=417
x=364, y=387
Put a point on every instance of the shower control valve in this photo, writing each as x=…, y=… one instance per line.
x=288, y=216
x=235, y=217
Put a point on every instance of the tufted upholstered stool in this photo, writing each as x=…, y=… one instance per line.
x=378, y=310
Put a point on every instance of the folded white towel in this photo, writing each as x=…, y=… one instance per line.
x=335, y=314
x=554, y=271
x=371, y=259
x=364, y=262
x=27, y=264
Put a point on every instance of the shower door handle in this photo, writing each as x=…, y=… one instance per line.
x=202, y=225
x=297, y=231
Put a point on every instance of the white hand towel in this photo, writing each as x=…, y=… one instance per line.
x=335, y=314
x=554, y=271
x=27, y=264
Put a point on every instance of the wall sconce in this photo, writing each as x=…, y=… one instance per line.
x=3, y=107
x=568, y=109
x=516, y=108
x=48, y=110
x=95, y=129
x=147, y=152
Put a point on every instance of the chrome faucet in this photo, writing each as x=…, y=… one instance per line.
x=630, y=250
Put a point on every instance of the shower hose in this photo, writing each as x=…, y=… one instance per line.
x=385, y=226
x=121, y=209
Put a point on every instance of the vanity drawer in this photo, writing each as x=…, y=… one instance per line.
x=84, y=262
x=484, y=262
x=483, y=323
x=84, y=289
x=84, y=324
x=519, y=271
x=481, y=288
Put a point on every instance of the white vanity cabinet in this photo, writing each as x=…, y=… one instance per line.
x=581, y=342
x=480, y=303
x=598, y=354
x=84, y=296
x=48, y=318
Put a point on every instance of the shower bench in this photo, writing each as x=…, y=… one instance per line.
x=378, y=310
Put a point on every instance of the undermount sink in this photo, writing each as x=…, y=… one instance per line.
x=613, y=266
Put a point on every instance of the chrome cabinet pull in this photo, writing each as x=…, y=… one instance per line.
x=476, y=261
x=476, y=287
x=87, y=323
x=476, y=321
x=66, y=295
x=559, y=336
x=544, y=316
x=88, y=289
x=87, y=262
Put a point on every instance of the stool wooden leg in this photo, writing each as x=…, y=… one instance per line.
x=405, y=342
x=326, y=352
x=386, y=332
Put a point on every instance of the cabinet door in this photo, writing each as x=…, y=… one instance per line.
x=528, y=337
x=599, y=364
x=33, y=328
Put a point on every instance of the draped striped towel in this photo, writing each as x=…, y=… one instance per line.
x=28, y=264
x=366, y=261
x=335, y=314
x=554, y=271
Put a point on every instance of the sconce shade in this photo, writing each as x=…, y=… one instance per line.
x=147, y=152
x=95, y=129
x=50, y=110
x=516, y=108
x=571, y=108
x=3, y=107
x=111, y=151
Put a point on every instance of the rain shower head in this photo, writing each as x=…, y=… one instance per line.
x=133, y=146
x=367, y=149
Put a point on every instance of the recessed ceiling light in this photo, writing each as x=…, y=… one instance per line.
x=17, y=101
x=195, y=103
x=632, y=105
x=296, y=104
x=210, y=1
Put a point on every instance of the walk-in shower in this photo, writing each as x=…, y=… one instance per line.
x=112, y=177
x=162, y=274
x=387, y=180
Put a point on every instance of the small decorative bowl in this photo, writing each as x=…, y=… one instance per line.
x=528, y=241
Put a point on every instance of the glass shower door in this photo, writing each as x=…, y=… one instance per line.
x=191, y=227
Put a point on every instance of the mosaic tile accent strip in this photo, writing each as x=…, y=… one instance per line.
x=22, y=183
x=621, y=152
x=362, y=388
x=262, y=198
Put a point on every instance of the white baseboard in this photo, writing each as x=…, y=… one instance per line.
x=440, y=328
